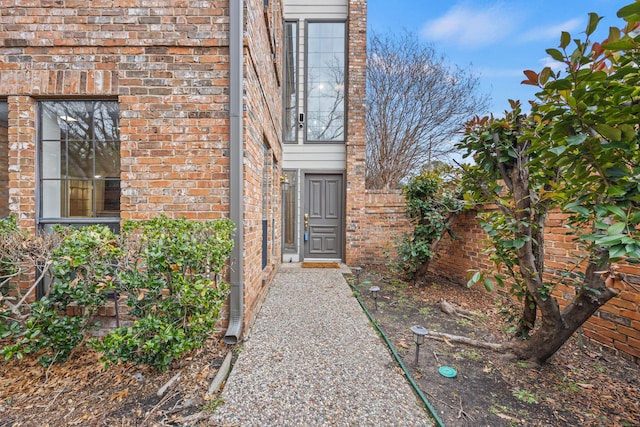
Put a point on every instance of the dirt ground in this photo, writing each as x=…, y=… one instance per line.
x=582, y=385
x=81, y=393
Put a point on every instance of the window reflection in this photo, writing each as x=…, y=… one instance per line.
x=289, y=211
x=80, y=159
x=325, y=100
x=290, y=81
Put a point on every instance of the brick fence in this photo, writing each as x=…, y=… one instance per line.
x=385, y=225
x=616, y=325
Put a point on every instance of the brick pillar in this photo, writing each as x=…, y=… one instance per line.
x=356, y=109
x=22, y=159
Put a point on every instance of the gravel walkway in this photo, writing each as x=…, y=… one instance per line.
x=313, y=359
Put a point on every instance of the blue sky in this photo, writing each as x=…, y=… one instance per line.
x=495, y=39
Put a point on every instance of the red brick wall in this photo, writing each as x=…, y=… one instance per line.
x=385, y=225
x=355, y=147
x=263, y=100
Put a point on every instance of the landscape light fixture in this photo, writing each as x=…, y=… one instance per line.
x=374, y=293
x=419, y=332
x=357, y=271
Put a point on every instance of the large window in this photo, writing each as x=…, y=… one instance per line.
x=290, y=100
x=79, y=162
x=325, y=84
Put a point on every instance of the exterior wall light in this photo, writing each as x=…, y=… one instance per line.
x=284, y=182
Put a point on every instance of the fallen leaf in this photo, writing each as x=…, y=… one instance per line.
x=119, y=395
x=586, y=386
x=402, y=344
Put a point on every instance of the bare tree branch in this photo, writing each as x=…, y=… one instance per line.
x=416, y=105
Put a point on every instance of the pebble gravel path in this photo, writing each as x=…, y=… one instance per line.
x=313, y=359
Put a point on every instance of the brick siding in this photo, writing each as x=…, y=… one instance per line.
x=385, y=225
x=166, y=62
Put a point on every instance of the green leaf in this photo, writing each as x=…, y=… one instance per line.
x=565, y=39
x=629, y=10
x=608, y=132
x=545, y=74
x=594, y=19
x=576, y=139
x=617, y=251
x=609, y=240
x=624, y=44
x=558, y=150
x=616, y=210
x=616, y=228
x=518, y=243
x=572, y=207
x=616, y=191
x=563, y=84
x=488, y=284
x=556, y=54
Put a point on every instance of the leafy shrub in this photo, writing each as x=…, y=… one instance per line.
x=168, y=270
x=82, y=268
x=169, y=274
x=431, y=204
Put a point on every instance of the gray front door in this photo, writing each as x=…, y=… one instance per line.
x=322, y=220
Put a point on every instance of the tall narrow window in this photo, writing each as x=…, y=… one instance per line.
x=79, y=162
x=290, y=103
x=325, y=86
x=4, y=159
x=289, y=192
x=266, y=192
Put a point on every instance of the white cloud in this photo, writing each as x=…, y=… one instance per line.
x=551, y=32
x=468, y=26
x=548, y=61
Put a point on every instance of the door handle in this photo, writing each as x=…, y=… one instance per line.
x=306, y=221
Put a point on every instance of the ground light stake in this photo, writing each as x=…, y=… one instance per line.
x=419, y=332
x=373, y=290
x=357, y=270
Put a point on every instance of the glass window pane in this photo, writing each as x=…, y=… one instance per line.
x=80, y=159
x=51, y=198
x=107, y=156
x=289, y=212
x=79, y=199
x=325, y=81
x=290, y=81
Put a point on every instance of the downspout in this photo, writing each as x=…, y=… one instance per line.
x=236, y=160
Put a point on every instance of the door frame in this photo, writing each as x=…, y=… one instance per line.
x=303, y=201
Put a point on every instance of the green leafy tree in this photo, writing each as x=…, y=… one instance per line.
x=578, y=151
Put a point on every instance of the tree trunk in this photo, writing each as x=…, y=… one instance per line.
x=528, y=320
x=552, y=334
